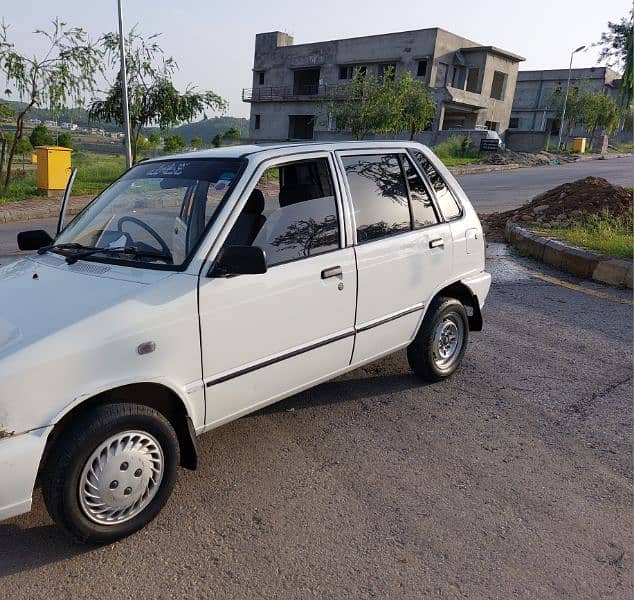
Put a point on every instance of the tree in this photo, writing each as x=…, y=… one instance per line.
x=367, y=105
x=65, y=139
x=153, y=98
x=6, y=114
x=232, y=135
x=41, y=136
x=65, y=70
x=590, y=110
x=24, y=147
x=417, y=104
x=217, y=141
x=617, y=51
x=173, y=143
x=600, y=112
x=576, y=108
x=197, y=143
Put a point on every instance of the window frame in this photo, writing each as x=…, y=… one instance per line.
x=257, y=174
x=396, y=151
x=440, y=219
x=430, y=187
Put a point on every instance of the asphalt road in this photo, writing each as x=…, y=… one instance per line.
x=511, y=480
x=489, y=192
x=504, y=190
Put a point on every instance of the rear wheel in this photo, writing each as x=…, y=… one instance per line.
x=439, y=346
x=111, y=472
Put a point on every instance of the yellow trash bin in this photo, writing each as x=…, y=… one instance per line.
x=53, y=167
x=34, y=158
x=579, y=145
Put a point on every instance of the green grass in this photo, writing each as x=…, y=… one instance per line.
x=458, y=161
x=456, y=152
x=604, y=233
x=94, y=173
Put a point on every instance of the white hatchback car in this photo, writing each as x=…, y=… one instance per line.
x=201, y=287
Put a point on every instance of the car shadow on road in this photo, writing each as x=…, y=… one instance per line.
x=357, y=387
x=27, y=548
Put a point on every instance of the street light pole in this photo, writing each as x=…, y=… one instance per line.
x=124, y=93
x=563, y=112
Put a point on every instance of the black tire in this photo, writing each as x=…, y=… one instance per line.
x=61, y=474
x=420, y=353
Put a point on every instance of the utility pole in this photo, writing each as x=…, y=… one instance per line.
x=563, y=112
x=124, y=93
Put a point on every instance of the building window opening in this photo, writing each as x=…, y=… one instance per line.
x=498, y=86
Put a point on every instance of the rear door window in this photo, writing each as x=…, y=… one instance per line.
x=379, y=195
x=446, y=201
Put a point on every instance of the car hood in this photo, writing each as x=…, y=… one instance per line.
x=41, y=295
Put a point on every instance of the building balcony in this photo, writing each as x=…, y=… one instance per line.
x=297, y=93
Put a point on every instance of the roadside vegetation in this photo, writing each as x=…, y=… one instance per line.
x=605, y=233
x=457, y=151
x=95, y=172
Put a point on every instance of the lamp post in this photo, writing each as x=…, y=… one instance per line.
x=563, y=112
x=124, y=93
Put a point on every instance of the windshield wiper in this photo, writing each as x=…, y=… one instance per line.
x=71, y=246
x=86, y=251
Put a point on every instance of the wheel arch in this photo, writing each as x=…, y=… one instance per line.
x=154, y=395
x=464, y=294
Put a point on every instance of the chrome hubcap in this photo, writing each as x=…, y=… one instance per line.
x=121, y=477
x=448, y=339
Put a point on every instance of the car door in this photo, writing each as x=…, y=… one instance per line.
x=403, y=248
x=268, y=335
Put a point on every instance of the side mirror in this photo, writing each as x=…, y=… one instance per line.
x=33, y=240
x=239, y=260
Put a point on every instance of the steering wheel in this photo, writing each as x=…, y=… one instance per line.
x=164, y=247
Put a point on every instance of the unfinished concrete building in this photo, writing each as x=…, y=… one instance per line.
x=534, y=124
x=532, y=109
x=472, y=84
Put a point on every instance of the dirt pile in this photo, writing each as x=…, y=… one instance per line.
x=564, y=205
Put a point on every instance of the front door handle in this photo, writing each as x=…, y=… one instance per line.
x=438, y=243
x=331, y=272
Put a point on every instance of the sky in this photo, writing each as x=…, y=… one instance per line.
x=213, y=41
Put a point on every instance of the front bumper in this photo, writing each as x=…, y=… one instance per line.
x=20, y=457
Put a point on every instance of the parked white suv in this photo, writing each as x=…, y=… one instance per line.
x=201, y=287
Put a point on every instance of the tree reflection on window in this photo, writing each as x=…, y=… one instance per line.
x=307, y=237
x=379, y=195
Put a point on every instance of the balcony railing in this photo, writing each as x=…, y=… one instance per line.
x=294, y=93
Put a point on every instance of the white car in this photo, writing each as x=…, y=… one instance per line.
x=201, y=287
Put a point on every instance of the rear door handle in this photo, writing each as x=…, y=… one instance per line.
x=438, y=243
x=331, y=272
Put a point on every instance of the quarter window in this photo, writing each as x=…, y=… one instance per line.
x=379, y=195
x=423, y=213
x=446, y=201
x=291, y=213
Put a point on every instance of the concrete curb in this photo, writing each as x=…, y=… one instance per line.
x=579, y=262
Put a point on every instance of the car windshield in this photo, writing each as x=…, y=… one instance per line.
x=155, y=214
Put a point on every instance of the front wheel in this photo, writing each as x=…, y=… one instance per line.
x=440, y=343
x=111, y=472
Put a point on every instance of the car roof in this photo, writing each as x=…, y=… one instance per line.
x=275, y=150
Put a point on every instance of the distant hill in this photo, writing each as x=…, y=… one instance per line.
x=206, y=129
x=74, y=115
